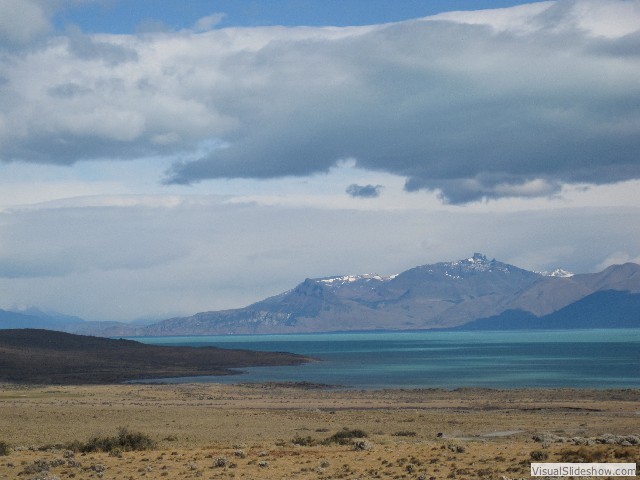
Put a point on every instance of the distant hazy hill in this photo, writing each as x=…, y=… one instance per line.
x=442, y=295
x=34, y=318
x=475, y=291
x=40, y=319
x=43, y=356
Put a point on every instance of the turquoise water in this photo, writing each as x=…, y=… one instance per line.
x=438, y=359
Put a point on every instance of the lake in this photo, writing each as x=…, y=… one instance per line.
x=440, y=359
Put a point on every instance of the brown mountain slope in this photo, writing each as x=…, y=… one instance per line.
x=48, y=357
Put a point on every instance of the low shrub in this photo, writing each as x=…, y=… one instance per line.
x=628, y=454
x=346, y=436
x=361, y=445
x=456, y=448
x=585, y=454
x=221, y=462
x=125, y=441
x=130, y=441
x=38, y=466
x=5, y=449
x=539, y=455
x=343, y=437
x=304, y=441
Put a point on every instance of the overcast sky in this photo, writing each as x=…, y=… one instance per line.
x=165, y=158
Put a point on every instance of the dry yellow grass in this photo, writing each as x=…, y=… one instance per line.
x=486, y=434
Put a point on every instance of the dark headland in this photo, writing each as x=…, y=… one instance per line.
x=31, y=356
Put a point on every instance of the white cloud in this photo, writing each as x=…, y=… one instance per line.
x=475, y=105
x=207, y=23
x=611, y=20
x=22, y=21
x=516, y=19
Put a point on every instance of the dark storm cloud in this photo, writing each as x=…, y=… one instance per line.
x=454, y=108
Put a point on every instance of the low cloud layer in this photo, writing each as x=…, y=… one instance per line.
x=119, y=258
x=506, y=103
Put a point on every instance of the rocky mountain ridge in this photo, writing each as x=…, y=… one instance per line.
x=440, y=295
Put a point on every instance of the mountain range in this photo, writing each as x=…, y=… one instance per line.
x=473, y=293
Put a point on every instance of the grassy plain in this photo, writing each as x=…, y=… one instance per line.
x=280, y=431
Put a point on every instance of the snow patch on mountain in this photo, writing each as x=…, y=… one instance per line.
x=367, y=277
x=558, y=272
x=457, y=270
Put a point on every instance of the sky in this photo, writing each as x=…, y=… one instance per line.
x=160, y=158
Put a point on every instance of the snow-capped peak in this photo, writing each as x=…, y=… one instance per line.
x=341, y=280
x=558, y=272
x=477, y=263
x=477, y=258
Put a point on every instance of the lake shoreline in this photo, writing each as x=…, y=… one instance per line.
x=589, y=358
x=35, y=356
